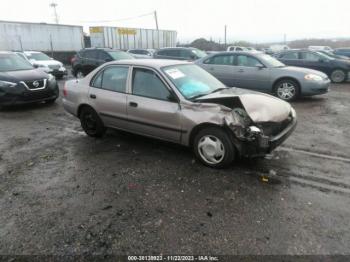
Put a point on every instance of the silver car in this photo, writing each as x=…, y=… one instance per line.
x=264, y=73
x=179, y=102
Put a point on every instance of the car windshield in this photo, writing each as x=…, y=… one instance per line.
x=118, y=55
x=199, y=53
x=38, y=56
x=192, y=81
x=13, y=62
x=270, y=61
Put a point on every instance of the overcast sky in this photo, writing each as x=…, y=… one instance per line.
x=253, y=20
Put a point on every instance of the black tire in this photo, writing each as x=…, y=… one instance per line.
x=91, y=122
x=338, y=76
x=51, y=101
x=292, y=85
x=223, y=137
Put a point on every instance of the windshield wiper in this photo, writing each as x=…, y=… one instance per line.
x=214, y=91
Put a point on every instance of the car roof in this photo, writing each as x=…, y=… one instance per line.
x=155, y=63
x=6, y=52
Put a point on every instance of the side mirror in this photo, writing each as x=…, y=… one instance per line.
x=108, y=60
x=172, y=98
x=193, y=57
x=260, y=67
x=36, y=66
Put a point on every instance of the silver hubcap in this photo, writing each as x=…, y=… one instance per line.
x=80, y=75
x=338, y=76
x=211, y=149
x=286, y=91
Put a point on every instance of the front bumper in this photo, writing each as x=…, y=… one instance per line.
x=310, y=88
x=263, y=145
x=20, y=94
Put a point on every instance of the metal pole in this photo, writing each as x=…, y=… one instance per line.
x=51, y=45
x=225, y=36
x=54, y=5
x=20, y=42
x=156, y=19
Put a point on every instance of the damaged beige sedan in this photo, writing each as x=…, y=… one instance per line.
x=182, y=103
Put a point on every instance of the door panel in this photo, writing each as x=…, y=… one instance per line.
x=221, y=66
x=251, y=74
x=154, y=118
x=107, y=95
x=150, y=108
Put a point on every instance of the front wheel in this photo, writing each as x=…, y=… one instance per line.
x=91, y=122
x=338, y=76
x=287, y=89
x=214, y=148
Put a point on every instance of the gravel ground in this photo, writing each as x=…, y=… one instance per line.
x=64, y=193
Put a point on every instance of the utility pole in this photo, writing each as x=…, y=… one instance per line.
x=54, y=5
x=156, y=19
x=225, y=37
x=285, y=39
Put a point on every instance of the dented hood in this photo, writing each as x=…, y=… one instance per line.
x=260, y=107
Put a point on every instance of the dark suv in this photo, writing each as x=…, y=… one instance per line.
x=179, y=53
x=86, y=60
x=336, y=69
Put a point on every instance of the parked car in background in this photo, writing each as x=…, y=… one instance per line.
x=45, y=63
x=336, y=69
x=233, y=48
x=21, y=83
x=182, y=103
x=331, y=54
x=342, y=51
x=142, y=53
x=86, y=60
x=277, y=48
x=261, y=72
x=319, y=48
x=179, y=53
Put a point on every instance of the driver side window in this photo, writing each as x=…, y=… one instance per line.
x=247, y=61
x=146, y=83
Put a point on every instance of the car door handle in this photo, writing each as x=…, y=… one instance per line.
x=92, y=96
x=211, y=68
x=241, y=70
x=133, y=104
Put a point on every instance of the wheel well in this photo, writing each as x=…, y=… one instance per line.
x=81, y=108
x=202, y=126
x=285, y=78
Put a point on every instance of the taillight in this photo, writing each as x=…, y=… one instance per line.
x=65, y=93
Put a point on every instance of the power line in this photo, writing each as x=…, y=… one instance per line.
x=117, y=20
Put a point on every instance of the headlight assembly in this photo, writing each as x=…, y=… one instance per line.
x=51, y=77
x=7, y=84
x=313, y=77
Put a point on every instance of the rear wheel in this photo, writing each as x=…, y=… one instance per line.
x=338, y=76
x=91, y=122
x=214, y=148
x=287, y=89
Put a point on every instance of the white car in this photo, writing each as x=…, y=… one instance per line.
x=44, y=62
x=233, y=48
x=320, y=48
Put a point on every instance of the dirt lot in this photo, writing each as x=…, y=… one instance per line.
x=62, y=192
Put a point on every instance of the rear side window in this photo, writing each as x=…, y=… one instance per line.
x=170, y=52
x=310, y=56
x=290, y=55
x=91, y=54
x=220, y=60
x=112, y=78
x=147, y=83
